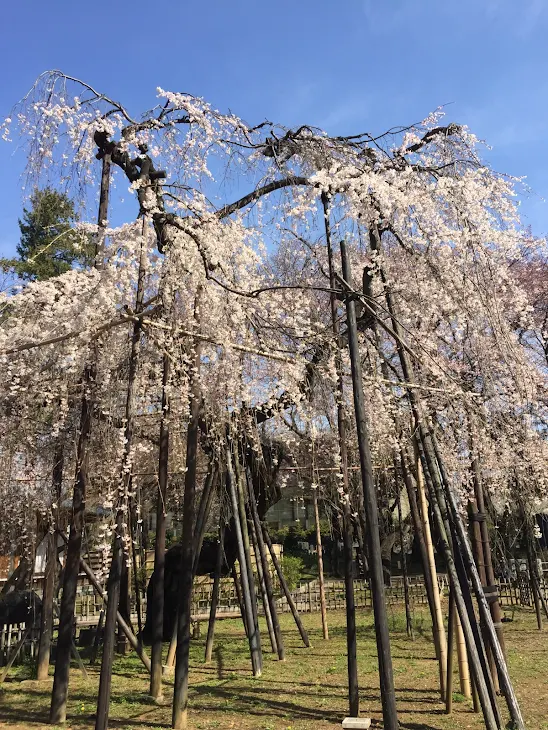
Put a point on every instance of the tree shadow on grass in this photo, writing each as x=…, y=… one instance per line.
x=247, y=703
x=19, y=717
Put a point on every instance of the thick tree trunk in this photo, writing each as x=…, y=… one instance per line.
x=180, y=694
x=157, y=607
x=46, y=619
x=46, y=622
x=408, y=614
x=58, y=709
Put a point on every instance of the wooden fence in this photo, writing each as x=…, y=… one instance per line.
x=306, y=596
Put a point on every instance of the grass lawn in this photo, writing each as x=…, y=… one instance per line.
x=306, y=692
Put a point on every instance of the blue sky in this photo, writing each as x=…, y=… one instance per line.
x=351, y=66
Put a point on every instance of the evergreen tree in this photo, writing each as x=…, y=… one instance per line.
x=48, y=246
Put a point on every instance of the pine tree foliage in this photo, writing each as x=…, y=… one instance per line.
x=49, y=245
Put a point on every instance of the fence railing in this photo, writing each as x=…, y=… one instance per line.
x=306, y=596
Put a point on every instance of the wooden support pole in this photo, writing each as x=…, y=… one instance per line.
x=109, y=640
x=483, y=607
x=262, y=589
x=464, y=670
x=321, y=580
x=266, y=572
x=248, y=574
x=388, y=695
x=351, y=636
x=203, y=511
x=252, y=634
x=419, y=535
x=485, y=699
x=494, y=604
x=425, y=522
x=215, y=596
x=450, y=641
x=118, y=580
x=135, y=644
x=285, y=587
x=46, y=622
x=531, y=571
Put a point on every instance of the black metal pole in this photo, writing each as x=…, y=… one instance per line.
x=351, y=637
x=388, y=694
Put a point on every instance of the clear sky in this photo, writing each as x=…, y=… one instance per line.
x=348, y=66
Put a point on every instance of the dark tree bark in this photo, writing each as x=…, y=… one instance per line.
x=180, y=693
x=408, y=615
x=58, y=709
x=46, y=621
x=157, y=606
x=118, y=583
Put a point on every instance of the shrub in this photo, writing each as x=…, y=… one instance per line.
x=292, y=568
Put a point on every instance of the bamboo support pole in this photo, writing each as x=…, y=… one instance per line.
x=285, y=587
x=321, y=580
x=267, y=578
x=450, y=641
x=464, y=670
x=252, y=633
x=425, y=523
